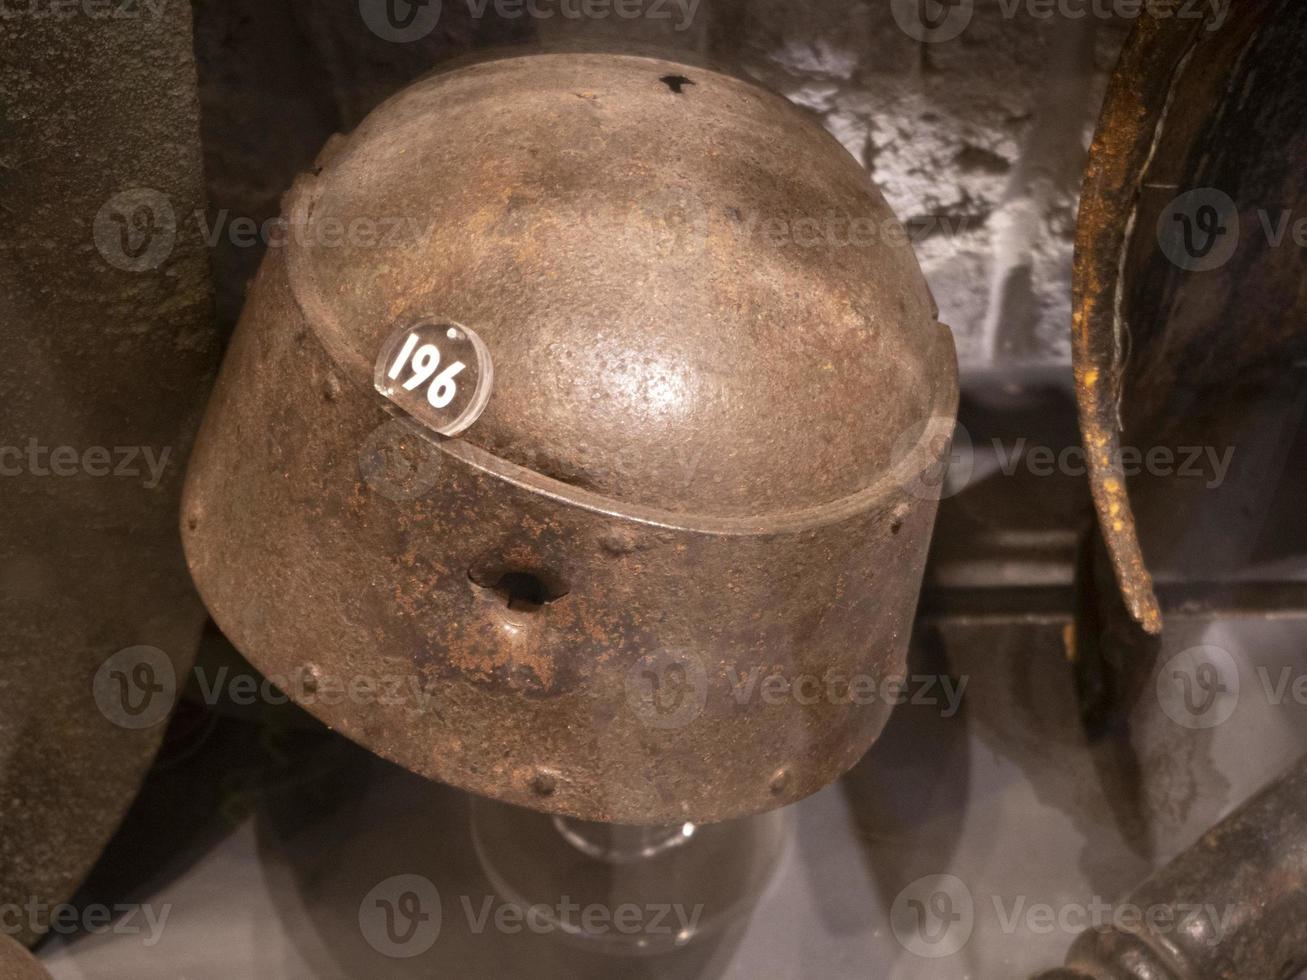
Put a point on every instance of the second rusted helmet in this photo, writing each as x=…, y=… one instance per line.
x=576, y=447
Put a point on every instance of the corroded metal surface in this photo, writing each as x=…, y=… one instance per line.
x=102, y=378
x=1232, y=907
x=1169, y=351
x=1135, y=100
x=16, y=963
x=719, y=395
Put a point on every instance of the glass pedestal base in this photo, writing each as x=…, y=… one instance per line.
x=624, y=889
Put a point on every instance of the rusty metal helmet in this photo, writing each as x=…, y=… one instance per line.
x=16, y=963
x=584, y=390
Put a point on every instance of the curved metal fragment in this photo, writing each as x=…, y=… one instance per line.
x=16, y=963
x=1171, y=347
x=1232, y=907
x=107, y=348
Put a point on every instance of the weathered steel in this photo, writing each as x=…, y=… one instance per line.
x=1166, y=354
x=1232, y=907
x=98, y=365
x=16, y=963
x=718, y=380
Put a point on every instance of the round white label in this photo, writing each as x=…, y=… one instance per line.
x=438, y=372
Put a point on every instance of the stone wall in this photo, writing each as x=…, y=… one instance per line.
x=978, y=140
